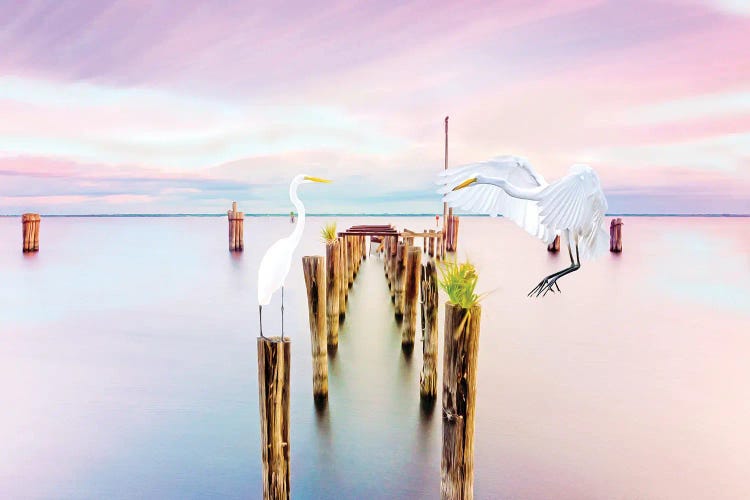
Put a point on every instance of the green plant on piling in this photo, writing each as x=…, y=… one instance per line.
x=328, y=233
x=459, y=281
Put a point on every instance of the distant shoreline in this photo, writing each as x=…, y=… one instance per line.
x=357, y=215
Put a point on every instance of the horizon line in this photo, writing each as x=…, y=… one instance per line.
x=274, y=214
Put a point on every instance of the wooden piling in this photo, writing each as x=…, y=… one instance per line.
x=333, y=280
x=428, y=376
x=236, y=229
x=615, y=235
x=343, y=287
x=350, y=260
x=431, y=247
x=555, y=245
x=274, y=357
x=400, y=280
x=30, y=232
x=411, y=296
x=315, y=282
x=461, y=343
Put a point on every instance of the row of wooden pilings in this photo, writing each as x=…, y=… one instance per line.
x=408, y=279
x=327, y=281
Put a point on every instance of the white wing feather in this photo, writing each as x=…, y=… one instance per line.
x=577, y=203
x=493, y=201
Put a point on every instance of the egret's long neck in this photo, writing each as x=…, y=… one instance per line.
x=300, y=226
x=533, y=194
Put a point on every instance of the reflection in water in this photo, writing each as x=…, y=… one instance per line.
x=127, y=365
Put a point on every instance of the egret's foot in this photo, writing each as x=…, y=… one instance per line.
x=548, y=284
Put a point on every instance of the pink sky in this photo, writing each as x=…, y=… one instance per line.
x=141, y=106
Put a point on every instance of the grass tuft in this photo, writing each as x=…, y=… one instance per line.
x=328, y=233
x=459, y=282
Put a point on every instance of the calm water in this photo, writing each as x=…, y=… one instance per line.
x=128, y=362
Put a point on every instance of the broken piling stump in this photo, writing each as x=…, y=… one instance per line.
x=461, y=342
x=274, y=357
x=315, y=281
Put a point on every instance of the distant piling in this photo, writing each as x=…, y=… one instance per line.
x=428, y=376
x=333, y=281
x=274, y=357
x=30, y=231
x=236, y=229
x=555, y=245
x=411, y=296
x=461, y=343
x=615, y=235
x=315, y=282
x=350, y=260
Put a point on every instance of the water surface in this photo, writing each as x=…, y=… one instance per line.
x=127, y=353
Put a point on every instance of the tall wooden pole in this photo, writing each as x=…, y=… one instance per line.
x=274, y=357
x=333, y=280
x=314, y=268
x=411, y=296
x=445, y=205
x=428, y=377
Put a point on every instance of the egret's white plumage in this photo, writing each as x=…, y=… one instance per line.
x=573, y=206
x=275, y=264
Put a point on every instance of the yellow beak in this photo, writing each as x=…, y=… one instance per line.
x=465, y=183
x=316, y=179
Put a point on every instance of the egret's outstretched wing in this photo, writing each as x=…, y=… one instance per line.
x=493, y=200
x=577, y=202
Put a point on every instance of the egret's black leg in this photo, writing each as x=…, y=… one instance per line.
x=282, y=313
x=548, y=282
x=260, y=318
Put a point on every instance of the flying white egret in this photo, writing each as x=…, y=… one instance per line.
x=274, y=266
x=573, y=206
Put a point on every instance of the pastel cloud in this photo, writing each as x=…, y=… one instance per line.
x=192, y=106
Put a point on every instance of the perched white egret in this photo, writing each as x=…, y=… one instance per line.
x=274, y=266
x=573, y=206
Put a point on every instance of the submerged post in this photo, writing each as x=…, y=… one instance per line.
x=411, y=297
x=461, y=342
x=315, y=282
x=333, y=279
x=30, y=232
x=428, y=376
x=274, y=356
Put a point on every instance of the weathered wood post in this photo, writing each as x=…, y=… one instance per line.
x=455, y=234
x=274, y=357
x=555, y=245
x=236, y=232
x=333, y=279
x=411, y=296
x=315, y=282
x=428, y=376
x=343, y=287
x=400, y=279
x=393, y=267
x=615, y=235
x=431, y=250
x=30, y=231
x=461, y=343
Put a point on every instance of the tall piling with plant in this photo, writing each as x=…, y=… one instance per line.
x=333, y=281
x=461, y=346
